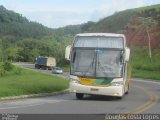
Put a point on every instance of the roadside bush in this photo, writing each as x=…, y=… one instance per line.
x=17, y=70
x=7, y=66
x=2, y=70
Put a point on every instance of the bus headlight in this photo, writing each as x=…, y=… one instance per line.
x=117, y=83
x=74, y=80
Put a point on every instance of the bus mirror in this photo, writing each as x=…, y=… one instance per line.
x=127, y=54
x=67, y=52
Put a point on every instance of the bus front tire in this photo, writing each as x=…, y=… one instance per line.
x=119, y=97
x=79, y=96
x=127, y=90
x=44, y=67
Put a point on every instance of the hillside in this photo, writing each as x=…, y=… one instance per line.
x=133, y=23
x=114, y=23
x=75, y=29
x=24, y=40
x=14, y=24
x=146, y=21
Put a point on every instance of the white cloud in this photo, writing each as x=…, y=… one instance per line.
x=58, y=18
x=52, y=16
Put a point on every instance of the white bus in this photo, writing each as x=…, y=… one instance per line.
x=99, y=64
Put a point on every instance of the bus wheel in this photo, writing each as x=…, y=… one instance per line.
x=79, y=95
x=119, y=97
x=38, y=67
x=127, y=90
x=44, y=68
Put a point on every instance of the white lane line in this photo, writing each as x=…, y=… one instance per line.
x=147, y=81
x=3, y=108
x=30, y=105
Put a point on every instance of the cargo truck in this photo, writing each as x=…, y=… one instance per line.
x=45, y=63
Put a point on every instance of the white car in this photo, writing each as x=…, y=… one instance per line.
x=57, y=70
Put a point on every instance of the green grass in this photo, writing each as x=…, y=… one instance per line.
x=154, y=75
x=66, y=68
x=30, y=82
x=143, y=66
x=157, y=6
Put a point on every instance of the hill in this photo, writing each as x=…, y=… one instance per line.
x=75, y=29
x=134, y=23
x=24, y=40
x=144, y=26
x=14, y=24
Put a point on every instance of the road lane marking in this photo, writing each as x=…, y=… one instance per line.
x=147, y=81
x=17, y=105
x=14, y=107
x=153, y=99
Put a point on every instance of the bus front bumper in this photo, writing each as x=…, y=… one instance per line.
x=97, y=90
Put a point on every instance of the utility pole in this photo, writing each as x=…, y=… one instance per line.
x=146, y=22
x=149, y=44
x=1, y=50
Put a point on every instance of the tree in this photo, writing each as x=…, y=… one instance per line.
x=12, y=53
x=148, y=23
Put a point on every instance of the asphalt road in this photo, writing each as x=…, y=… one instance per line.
x=31, y=66
x=143, y=97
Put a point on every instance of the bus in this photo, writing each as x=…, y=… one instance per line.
x=99, y=65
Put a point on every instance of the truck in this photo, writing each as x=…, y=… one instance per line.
x=45, y=63
x=99, y=65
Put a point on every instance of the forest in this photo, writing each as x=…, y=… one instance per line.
x=23, y=40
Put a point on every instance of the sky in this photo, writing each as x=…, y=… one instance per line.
x=59, y=13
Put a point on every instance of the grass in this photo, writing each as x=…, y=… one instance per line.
x=30, y=82
x=147, y=8
x=143, y=66
x=66, y=68
x=146, y=74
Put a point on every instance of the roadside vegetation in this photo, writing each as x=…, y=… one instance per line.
x=143, y=66
x=66, y=68
x=15, y=81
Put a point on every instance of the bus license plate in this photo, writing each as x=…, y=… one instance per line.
x=94, y=89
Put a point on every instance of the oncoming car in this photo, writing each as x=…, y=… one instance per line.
x=57, y=70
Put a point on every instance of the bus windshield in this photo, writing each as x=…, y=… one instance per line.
x=97, y=63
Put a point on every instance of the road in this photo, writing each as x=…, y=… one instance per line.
x=143, y=97
x=31, y=66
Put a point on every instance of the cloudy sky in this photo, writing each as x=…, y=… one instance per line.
x=59, y=13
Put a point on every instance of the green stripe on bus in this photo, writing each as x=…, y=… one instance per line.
x=103, y=81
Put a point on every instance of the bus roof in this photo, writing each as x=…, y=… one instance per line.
x=101, y=34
